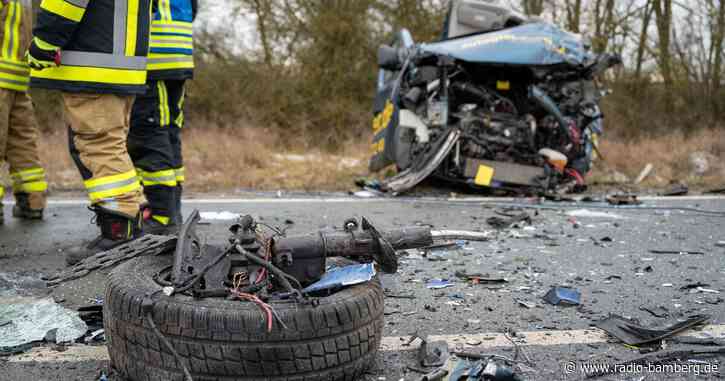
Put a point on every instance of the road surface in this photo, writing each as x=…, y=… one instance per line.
x=607, y=256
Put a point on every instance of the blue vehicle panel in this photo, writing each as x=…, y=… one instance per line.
x=538, y=44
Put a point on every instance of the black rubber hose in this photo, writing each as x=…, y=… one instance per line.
x=281, y=275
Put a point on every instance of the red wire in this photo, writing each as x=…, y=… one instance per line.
x=266, y=308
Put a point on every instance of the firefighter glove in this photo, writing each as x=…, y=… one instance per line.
x=43, y=55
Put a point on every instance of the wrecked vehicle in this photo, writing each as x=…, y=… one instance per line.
x=502, y=102
x=261, y=306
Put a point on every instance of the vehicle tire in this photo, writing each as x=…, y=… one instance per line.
x=220, y=339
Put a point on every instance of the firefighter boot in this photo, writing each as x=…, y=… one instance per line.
x=116, y=229
x=23, y=210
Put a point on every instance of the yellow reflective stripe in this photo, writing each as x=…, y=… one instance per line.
x=63, y=9
x=165, y=177
x=176, y=45
x=8, y=31
x=112, y=186
x=181, y=175
x=28, y=172
x=92, y=74
x=110, y=180
x=132, y=27
x=180, y=119
x=164, y=113
x=115, y=192
x=16, y=30
x=2, y=192
x=158, y=61
x=163, y=220
x=33, y=187
x=29, y=180
x=160, y=37
x=44, y=45
x=172, y=24
x=13, y=77
x=21, y=67
x=165, y=9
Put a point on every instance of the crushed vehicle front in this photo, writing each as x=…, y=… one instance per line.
x=514, y=109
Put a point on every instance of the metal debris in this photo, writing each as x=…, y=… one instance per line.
x=563, y=296
x=633, y=334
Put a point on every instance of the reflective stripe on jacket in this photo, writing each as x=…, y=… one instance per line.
x=15, y=35
x=172, y=40
x=104, y=45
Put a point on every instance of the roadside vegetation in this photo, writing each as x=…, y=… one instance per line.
x=292, y=111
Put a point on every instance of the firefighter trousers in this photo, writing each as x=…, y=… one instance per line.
x=19, y=147
x=154, y=144
x=99, y=125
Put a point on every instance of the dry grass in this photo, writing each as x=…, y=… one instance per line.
x=225, y=160
x=222, y=160
x=670, y=156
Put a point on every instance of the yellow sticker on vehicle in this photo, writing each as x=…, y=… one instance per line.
x=382, y=120
x=484, y=177
x=503, y=85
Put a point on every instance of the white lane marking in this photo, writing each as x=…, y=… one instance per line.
x=352, y=200
x=81, y=353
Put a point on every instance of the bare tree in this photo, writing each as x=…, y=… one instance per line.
x=663, y=12
x=533, y=7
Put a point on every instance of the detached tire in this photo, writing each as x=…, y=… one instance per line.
x=219, y=339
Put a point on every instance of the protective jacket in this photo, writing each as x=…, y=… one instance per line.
x=103, y=43
x=15, y=34
x=172, y=40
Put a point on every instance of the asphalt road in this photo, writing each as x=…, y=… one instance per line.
x=608, y=258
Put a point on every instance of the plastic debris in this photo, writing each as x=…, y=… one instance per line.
x=633, y=334
x=32, y=319
x=646, y=171
x=586, y=213
x=677, y=252
x=623, y=199
x=339, y=277
x=437, y=284
x=219, y=216
x=563, y=296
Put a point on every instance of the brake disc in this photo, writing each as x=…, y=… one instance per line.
x=148, y=245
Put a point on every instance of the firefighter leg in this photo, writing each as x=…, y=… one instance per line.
x=28, y=175
x=149, y=144
x=99, y=125
x=177, y=94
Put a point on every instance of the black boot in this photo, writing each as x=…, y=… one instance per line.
x=116, y=229
x=22, y=208
x=2, y=214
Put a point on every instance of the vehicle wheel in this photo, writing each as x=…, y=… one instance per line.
x=219, y=339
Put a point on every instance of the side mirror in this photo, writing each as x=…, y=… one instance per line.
x=389, y=58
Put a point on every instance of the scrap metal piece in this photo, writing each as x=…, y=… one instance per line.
x=434, y=353
x=149, y=245
x=633, y=334
x=409, y=178
x=383, y=251
x=623, y=199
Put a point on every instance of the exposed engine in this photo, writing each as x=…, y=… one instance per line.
x=517, y=126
